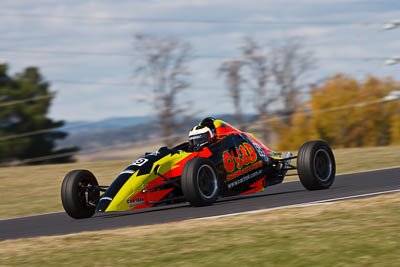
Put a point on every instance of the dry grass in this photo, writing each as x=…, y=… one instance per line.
x=360, y=159
x=36, y=189
x=353, y=233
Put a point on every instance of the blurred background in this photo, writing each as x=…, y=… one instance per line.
x=102, y=80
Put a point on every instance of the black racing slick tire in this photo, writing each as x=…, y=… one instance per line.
x=77, y=194
x=316, y=165
x=199, y=182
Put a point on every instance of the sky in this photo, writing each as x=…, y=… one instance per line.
x=85, y=48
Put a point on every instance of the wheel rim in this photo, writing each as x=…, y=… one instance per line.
x=83, y=187
x=323, y=165
x=207, y=181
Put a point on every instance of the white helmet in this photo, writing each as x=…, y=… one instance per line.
x=200, y=136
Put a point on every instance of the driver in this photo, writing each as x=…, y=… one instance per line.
x=200, y=136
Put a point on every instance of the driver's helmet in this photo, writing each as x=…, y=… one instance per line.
x=200, y=136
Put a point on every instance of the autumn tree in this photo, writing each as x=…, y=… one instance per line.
x=162, y=64
x=346, y=113
x=395, y=127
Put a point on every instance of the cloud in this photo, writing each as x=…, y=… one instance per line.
x=104, y=26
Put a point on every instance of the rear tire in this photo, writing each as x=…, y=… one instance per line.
x=316, y=165
x=199, y=182
x=73, y=193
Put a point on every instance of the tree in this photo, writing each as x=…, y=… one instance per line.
x=271, y=74
x=259, y=74
x=29, y=116
x=257, y=79
x=162, y=65
x=232, y=70
x=289, y=63
x=395, y=128
x=346, y=113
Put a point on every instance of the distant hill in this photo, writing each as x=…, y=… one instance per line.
x=117, y=131
x=114, y=123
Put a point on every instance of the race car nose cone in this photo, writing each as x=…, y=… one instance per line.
x=103, y=204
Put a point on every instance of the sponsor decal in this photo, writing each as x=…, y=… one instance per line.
x=244, y=170
x=139, y=162
x=244, y=162
x=193, y=137
x=245, y=178
x=127, y=171
x=133, y=202
x=260, y=151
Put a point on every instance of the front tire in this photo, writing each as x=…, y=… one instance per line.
x=199, y=182
x=316, y=165
x=78, y=195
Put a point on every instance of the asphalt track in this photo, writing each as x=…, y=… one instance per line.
x=346, y=186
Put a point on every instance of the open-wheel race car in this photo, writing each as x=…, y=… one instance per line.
x=217, y=161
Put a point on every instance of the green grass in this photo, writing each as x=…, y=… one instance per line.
x=31, y=190
x=362, y=232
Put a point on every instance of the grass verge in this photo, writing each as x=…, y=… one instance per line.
x=362, y=232
x=31, y=190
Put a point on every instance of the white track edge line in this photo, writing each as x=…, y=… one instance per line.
x=357, y=196
x=312, y=203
